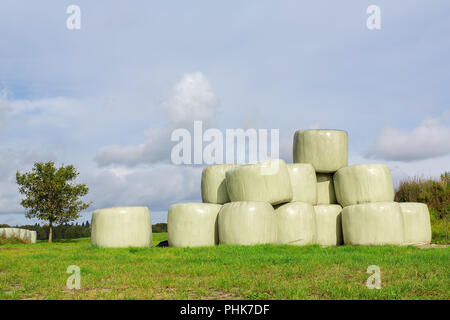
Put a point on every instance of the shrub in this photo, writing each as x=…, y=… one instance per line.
x=435, y=193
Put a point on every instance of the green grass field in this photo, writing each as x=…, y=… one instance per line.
x=224, y=272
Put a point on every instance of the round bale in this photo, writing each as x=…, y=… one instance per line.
x=328, y=225
x=121, y=227
x=325, y=189
x=326, y=150
x=295, y=222
x=376, y=223
x=363, y=183
x=267, y=181
x=303, y=182
x=33, y=236
x=193, y=224
x=247, y=223
x=416, y=219
x=214, y=188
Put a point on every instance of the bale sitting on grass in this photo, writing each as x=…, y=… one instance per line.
x=436, y=194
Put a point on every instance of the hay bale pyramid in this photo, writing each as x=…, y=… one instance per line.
x=318, y=199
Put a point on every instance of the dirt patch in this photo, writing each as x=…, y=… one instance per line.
x=220, y=295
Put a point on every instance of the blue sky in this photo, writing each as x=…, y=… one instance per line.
x=106, y=97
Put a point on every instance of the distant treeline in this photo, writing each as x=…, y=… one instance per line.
x=71, y=231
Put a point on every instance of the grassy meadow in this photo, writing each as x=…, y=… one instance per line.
x=223, y=272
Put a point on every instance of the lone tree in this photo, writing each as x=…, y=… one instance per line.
x=51, y=194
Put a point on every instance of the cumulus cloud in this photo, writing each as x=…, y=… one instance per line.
x=429, y=140
x=190, y=99
x=157, y=187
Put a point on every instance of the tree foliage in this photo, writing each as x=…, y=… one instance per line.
x=51, y=193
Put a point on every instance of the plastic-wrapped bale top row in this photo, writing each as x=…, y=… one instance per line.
x=326, y=150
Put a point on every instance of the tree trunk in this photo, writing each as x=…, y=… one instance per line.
x=50, y=232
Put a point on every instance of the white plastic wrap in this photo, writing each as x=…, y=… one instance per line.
x=328, y=225
x=214, y=188
x=22, y=234
x=120, y=227
x=326, y=150
x=193, y=224
x=295, y=223
x=416, y=219
x=247, y=223
x=363, y=183
x=267, y=181
x=303, y=181
x=376, y=223
x=325, y=189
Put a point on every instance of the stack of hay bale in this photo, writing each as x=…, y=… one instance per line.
x=318, y=199
x=27, y=236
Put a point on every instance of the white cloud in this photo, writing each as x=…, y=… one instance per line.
x=157, y=187
x=190, y=99
x=5, y=107
x=429, y=140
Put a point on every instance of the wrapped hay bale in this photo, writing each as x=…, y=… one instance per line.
x=328, y=225
x=325, y=189
x=33, y=236
x=267, y=181
x=8, y=232
x=13, y=233
x=24, y=235
x=416, y=219
x=214, y=188
x=326, y=150
x=18, y=233
x=376, y=223
x=247, y=223
x=193, y=224
x=363, y=183
x=303, y=182
x=295, y=222
x=120, y=227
